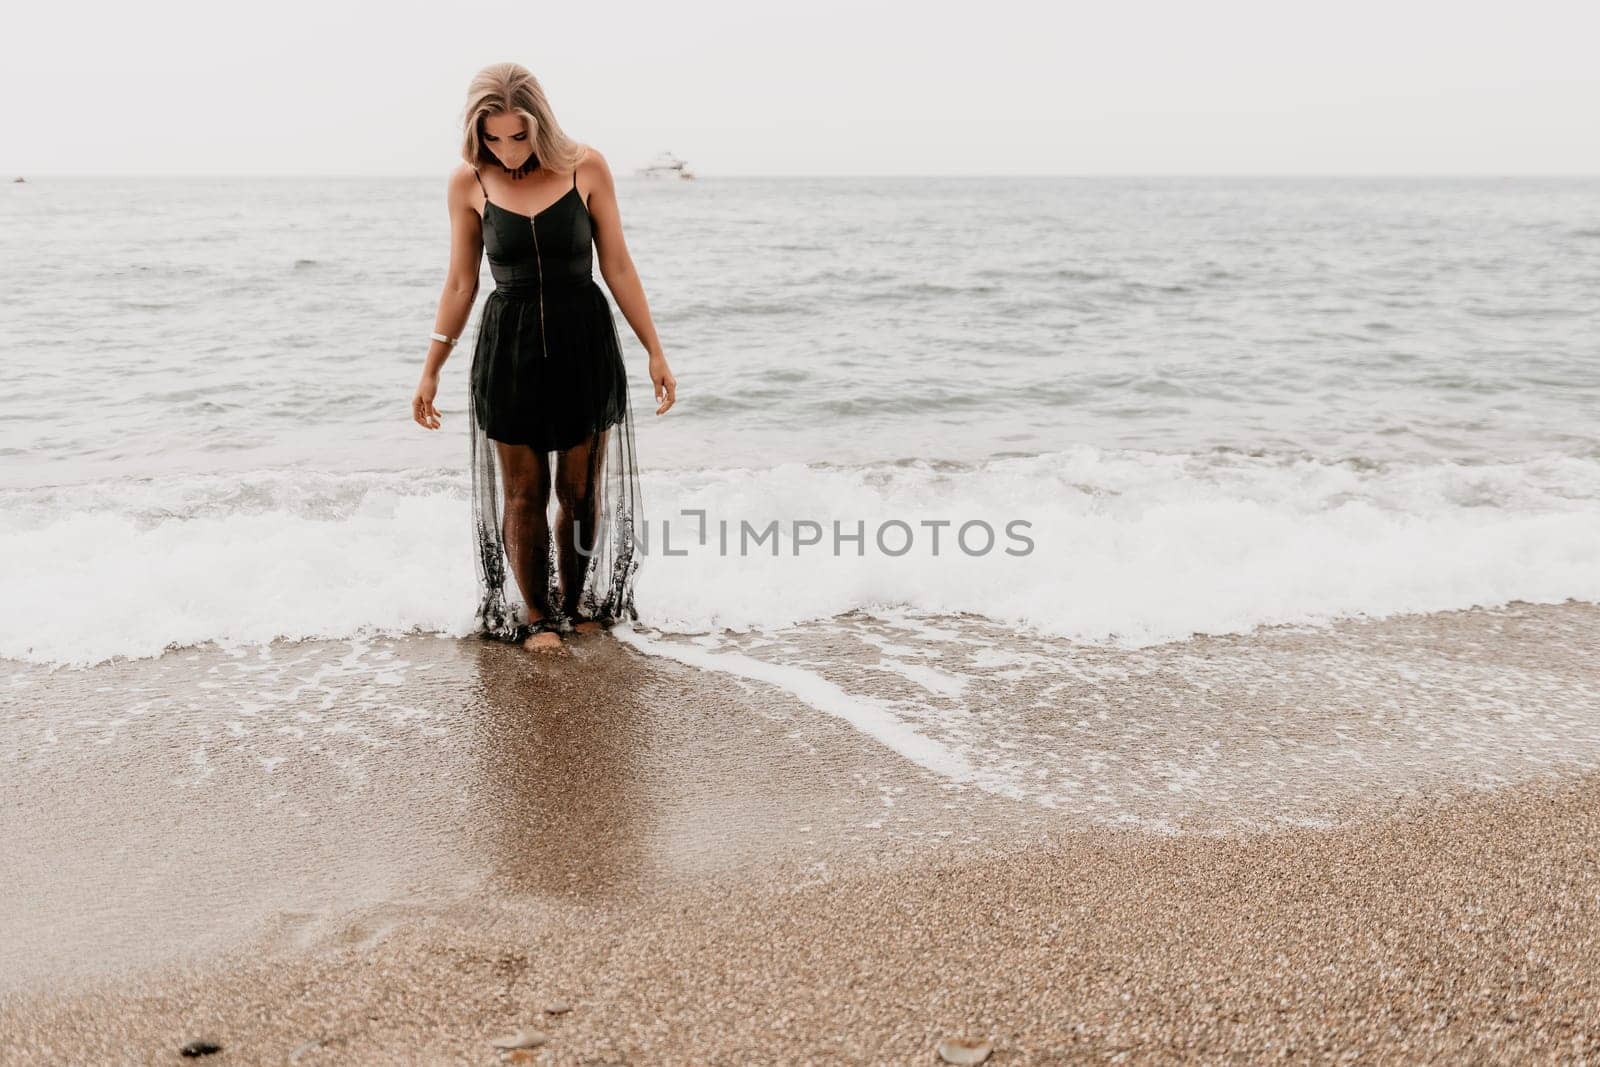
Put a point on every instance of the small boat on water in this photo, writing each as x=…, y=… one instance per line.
x=666, y=165
x=19, y=178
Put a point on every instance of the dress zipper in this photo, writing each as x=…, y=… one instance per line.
x=533, y=224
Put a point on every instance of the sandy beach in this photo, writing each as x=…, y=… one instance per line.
x=1371, y=842
x=1104, y=537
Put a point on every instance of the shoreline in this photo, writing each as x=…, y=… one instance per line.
x=400, y=847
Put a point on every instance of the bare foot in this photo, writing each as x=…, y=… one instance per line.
x=544, y=641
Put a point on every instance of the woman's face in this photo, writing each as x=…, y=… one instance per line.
x=507, y=137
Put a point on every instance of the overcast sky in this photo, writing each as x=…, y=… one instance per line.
x=998, y=87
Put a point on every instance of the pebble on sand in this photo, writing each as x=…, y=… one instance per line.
x=199, y=1047
x=557, y=1007
x=961, y=1051
x=523, y=1038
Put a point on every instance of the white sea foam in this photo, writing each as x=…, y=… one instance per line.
x=876, y=719
x=1131, y=547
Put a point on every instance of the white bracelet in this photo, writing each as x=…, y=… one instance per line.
x=451, y=341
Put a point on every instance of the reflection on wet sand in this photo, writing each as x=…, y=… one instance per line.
x=560, y=770
x=165, y=809
x=281, y=798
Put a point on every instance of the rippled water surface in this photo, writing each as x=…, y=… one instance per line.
x=227, y=323
x=1220, y=402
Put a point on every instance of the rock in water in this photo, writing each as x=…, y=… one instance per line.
x=961, y=1051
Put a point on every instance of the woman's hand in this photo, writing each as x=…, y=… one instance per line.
x=666, y=384
x=422, y=410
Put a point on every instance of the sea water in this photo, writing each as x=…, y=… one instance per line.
x=1122, y=410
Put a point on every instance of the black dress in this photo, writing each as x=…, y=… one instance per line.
x=547, y=374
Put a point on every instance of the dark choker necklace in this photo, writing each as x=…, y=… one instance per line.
x=528, y=165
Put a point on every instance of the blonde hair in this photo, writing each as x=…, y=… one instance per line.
x=511, y=88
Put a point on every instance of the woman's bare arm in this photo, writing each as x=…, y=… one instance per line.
x=616, y=267
x=460, y=290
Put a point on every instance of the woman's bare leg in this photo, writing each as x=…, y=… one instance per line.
x=578, y=473
x=526, y=530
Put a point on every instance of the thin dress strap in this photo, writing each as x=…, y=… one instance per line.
x=485, y=188
x=574, y=177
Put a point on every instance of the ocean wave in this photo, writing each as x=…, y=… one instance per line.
x=1123, y=546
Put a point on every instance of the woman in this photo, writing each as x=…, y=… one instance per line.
x=549, y=394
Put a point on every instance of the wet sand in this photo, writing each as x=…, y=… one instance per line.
x=392, y=851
